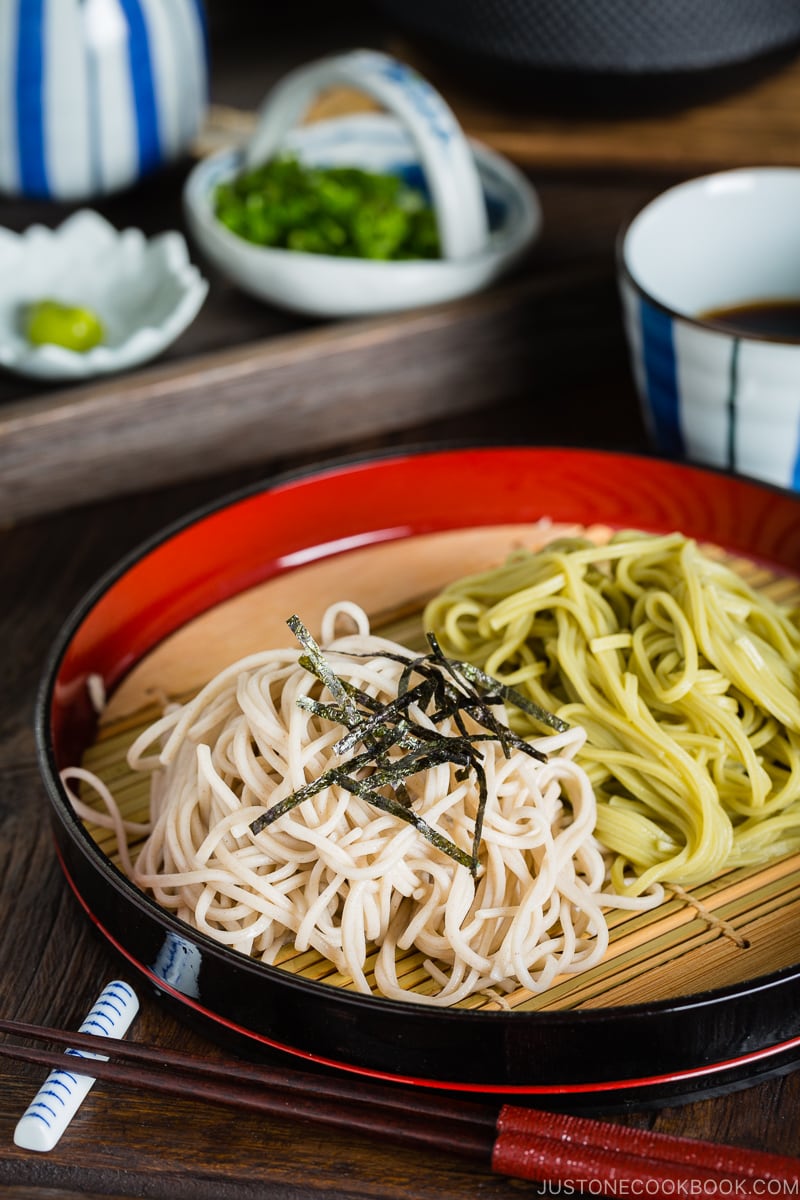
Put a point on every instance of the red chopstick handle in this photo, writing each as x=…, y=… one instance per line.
x=576, y=1169
x=558, y=1148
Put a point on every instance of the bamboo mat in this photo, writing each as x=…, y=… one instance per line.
x=744, y=924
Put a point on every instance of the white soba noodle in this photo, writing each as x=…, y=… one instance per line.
x=339, y=876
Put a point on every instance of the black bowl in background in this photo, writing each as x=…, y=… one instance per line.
x=570, y=55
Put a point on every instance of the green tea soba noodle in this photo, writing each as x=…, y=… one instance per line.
x=684, y=678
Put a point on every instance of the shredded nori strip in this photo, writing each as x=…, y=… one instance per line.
x=447, y=688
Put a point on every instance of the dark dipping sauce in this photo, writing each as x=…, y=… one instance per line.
x=779, y=319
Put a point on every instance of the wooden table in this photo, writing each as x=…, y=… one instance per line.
x=540, y=359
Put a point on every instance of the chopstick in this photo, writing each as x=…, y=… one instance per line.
x=287, y=1093
x=515, y=1141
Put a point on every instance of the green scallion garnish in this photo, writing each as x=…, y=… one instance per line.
x=335, y=210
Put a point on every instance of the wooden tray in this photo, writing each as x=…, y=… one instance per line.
x=754, y=124
x=298, y=391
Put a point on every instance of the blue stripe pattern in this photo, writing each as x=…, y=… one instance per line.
x=144, y=89
x=44, y=107
x=795, y=484
x=30, y=98
x=658, y=353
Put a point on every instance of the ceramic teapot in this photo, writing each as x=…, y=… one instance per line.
x=96, y=94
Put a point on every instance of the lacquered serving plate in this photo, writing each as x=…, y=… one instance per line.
x=683, y=1008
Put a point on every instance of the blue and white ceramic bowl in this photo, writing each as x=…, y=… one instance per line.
x=487, y=212
x=727, y=399
x=96, y=94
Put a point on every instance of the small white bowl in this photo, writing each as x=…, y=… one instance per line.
x=145, y=292
x=487, y=212
x=723, y=397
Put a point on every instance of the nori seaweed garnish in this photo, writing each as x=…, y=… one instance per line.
x=446, y=688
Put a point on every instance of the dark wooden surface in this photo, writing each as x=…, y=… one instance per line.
x=571, y=386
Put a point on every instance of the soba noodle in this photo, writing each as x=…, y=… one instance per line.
x=685, y=679
x=340, y=877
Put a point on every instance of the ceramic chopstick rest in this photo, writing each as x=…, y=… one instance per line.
x=64, y=1090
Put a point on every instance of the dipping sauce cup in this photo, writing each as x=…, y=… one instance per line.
x=709, y=274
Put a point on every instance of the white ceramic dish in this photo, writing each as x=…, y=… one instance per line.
x=487, y=212
x=145, y=292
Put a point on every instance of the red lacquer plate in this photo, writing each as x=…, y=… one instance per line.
x=372, y=523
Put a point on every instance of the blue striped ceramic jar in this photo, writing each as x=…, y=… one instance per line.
x=710, y=394
x=96, y=94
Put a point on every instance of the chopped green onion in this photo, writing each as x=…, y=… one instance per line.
x=342, y=211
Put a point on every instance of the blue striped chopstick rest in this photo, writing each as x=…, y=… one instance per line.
x=62, y=1093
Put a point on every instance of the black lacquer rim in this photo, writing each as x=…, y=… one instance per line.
x=697, y=1006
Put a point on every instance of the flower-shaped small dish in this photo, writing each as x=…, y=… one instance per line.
x=486, y=211
x=144, y=292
